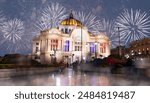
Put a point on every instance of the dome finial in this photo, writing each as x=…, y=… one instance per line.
x=71, y=14
x=71, y=21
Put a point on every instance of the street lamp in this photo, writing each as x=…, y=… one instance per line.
x=119, y=49
x=86, y=45
x=51, y=23
x=81, y=45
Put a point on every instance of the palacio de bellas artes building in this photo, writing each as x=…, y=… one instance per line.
x=69, y=42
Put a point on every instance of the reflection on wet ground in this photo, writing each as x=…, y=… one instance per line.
x=69, y=77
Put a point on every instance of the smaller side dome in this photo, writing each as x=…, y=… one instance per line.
x=103, y=35
x=54, y=31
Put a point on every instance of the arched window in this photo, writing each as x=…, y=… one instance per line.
x=62, y=30
x=102, y=47
x=69, y=30
x=66, y=30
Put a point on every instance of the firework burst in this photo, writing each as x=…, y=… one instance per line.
x=14, y=39
x=51, y=16
x=12, y=30
x=134, y=25
x=108, y=26
x=89, y=20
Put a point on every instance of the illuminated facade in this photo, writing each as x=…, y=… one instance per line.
x=140, y=48
x=69, y=42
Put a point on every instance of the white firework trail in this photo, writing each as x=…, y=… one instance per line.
x=88, y=20
x=133, y=24
x=12, y=30
x=108, y=26
x=2, y=20
x=51, y=16
x=14, y=39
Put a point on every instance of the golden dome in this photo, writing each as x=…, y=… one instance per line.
x=71, y=21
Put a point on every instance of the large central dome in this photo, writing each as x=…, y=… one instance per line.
x=71, y=21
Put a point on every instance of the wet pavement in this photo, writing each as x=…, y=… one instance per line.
x=70, y=77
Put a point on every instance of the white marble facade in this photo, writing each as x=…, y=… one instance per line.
x=69, y=42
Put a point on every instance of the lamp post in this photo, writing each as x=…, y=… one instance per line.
x=119, y=49
x=51, y=23
x=95, y=45
x=81, y=45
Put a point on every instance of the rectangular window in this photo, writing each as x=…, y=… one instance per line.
x=66, y=45
x=78, y=48
x=101, y=50
x=75, y=48
x=37, y=49
x=77, y=43
x=92, y=48
x=54, y=44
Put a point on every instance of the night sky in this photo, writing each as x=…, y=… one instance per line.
x=29, y=10
x=23, y=9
